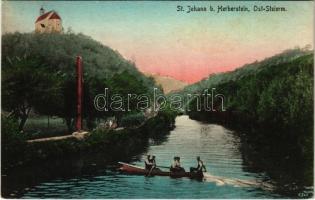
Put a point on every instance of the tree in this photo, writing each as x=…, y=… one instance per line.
x=26, y=85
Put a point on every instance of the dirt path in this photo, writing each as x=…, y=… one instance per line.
x=77, y=135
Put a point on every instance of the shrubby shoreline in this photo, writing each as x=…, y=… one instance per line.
x=116, y=144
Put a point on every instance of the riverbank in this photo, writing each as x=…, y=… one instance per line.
x=40, y=161
x=114, y=142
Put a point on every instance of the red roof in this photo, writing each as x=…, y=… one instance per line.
x=45, y=15
x=54, y=16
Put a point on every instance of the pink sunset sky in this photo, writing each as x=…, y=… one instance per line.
x=186, y=46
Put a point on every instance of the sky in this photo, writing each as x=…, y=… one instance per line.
x=186, y=46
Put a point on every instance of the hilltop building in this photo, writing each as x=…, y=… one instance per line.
x=48, y=22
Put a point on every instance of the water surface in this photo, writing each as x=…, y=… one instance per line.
x=217, y=146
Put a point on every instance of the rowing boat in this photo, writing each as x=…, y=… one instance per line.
x=136, y=170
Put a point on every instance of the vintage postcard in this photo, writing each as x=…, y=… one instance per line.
x=157, y=99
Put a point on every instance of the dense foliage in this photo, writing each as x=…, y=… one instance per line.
x=132, y=120
x=247, y=69
x=277, y=94
x=271, y=101
x=38, y=74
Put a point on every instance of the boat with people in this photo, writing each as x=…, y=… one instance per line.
x=137, y=170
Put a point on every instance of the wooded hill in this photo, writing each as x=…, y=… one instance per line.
x=38, y=74
x=271, y=101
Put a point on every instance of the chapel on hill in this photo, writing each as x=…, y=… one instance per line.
x=48, y=22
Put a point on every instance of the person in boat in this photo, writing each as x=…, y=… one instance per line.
x=154, y=166
x=176, y=167
x=200, y=166
x=148, y=164
x=152, y=160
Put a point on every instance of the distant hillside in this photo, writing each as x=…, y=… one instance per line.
x=168, y=83
x=245, y=70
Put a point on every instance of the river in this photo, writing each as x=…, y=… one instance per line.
x=219, y=148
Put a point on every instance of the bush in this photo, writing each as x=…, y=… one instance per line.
x=13, y=142
x=132, y=120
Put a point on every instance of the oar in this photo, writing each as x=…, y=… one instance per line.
x=163, y=167
x=150, y=171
